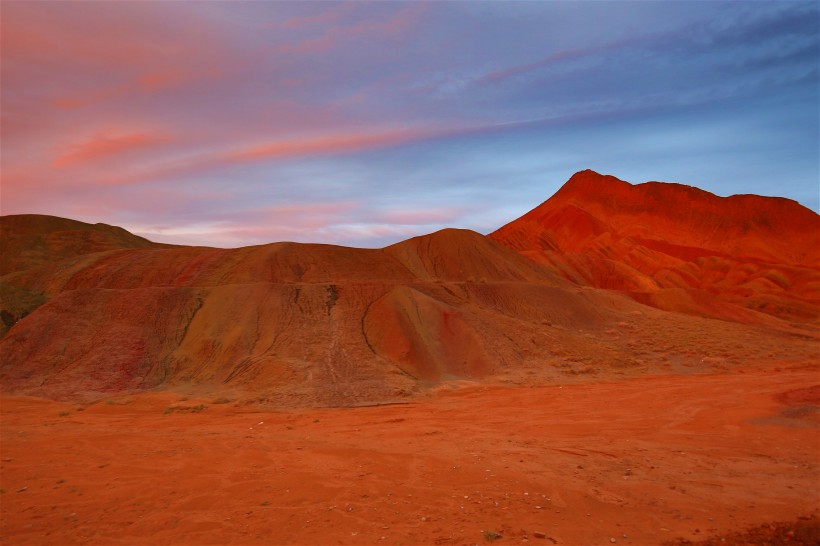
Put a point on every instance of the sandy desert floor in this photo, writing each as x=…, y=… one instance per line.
x=638, y=461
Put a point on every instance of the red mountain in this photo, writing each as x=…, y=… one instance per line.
x=676, y=247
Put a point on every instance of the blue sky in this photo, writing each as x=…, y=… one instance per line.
x=230, y=124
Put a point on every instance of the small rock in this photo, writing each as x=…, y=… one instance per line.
x=539, y=534
x=612, y=540
x=24, y=488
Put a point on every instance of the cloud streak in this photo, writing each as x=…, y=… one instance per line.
x=323, y=144
x=103, y=146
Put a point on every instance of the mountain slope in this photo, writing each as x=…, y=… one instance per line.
x=292, y=323
x=677, y=247
x=32, y=241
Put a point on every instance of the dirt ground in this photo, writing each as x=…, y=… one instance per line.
x=644, y=461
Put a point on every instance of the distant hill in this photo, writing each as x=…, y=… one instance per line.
x=27, y=240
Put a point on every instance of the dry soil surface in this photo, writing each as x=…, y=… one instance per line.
x=638, y=461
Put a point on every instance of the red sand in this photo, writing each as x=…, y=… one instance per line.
x=641, y=461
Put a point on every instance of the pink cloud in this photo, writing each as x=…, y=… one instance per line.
x=100, y=53
x=322, y=144
x=151, y=81
x=81, y=71
x=108, y=158
x=103, y=146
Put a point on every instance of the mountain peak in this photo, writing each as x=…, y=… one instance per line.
x=590, y=177
x=607, y=233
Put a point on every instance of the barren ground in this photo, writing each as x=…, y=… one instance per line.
x=636, y=461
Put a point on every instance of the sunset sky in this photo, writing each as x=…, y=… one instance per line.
x=230, y=124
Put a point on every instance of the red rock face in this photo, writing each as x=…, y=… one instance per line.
x=676, y=247
x=89, y=309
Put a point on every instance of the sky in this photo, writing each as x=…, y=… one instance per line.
x=362, y=124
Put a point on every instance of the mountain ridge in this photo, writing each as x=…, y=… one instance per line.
x=595, y=193
x=90, y=308
x=709, y=255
